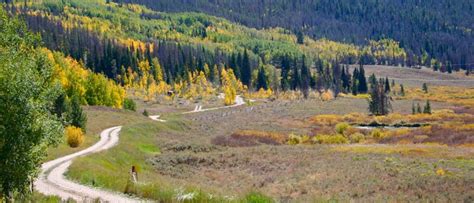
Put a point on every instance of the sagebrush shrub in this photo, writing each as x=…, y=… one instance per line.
x=377, y=134
x=75, y=136
x=341, y=127
x=330, y=139
x=357, y=137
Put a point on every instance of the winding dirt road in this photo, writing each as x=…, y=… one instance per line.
x=53, y=182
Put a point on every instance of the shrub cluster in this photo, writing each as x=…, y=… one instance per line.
x=75, y=136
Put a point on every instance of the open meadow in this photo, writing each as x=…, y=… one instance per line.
x=277, y=150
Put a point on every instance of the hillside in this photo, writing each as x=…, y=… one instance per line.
x=436, y=29
x=157, y=51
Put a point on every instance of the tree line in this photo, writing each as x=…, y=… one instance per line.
x=428, y=30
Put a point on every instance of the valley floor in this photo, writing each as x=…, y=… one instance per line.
x=207, y=156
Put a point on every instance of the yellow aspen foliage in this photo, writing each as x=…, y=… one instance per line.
x=207, y=71
x=144, y=68
x=89, y=87
x=195, y=87
x=74, y=136
x=129, y=78
x=261, y=94
x=230, y=86
x=158, y=71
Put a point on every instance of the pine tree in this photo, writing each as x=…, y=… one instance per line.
x=246, y=70
x=262, y=80
x=346, y=80
x=413, y=108
x=295, y=77
x=362, y=80
x=285, y=73
x=305, y=77
x=418, y=108
x=402, y=90
x=379, y=102
x=425, y=88
x=427, y=109
x=387, y=85
x=355, y=84
x=300, y=37
x=373, y=81
x=62, y=107
x=77, y=117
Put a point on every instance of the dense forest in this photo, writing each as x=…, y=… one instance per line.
x=441, y=29
x=156, y=52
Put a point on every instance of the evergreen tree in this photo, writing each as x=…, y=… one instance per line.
x=62, y=107
x=402, y=90
x=362, y=80
x=436, y=66
x=300, y=37
x=305, y=77
x=425, y=88
x=346, y=80
x=387, y=85
x=77, y=117
x=262, y=81
x=246, y=70
x=413, y=108
x=379, y=102
x=295, y=77
x=355, y=82
x=449, y=67
x=427, y=109
x=285, y=73
x=418, y=108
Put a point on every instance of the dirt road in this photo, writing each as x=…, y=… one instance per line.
x=53, y=182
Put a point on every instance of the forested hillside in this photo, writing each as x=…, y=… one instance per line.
x=156, y=52
x=441, y=29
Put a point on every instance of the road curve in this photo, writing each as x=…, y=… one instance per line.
x=239, y=101
x=52, y=181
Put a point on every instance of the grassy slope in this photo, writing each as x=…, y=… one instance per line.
x=99, y=118
x=137, y=144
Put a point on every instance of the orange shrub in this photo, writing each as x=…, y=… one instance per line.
x=327, y=95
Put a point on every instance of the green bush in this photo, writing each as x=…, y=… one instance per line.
x=145, y=113
x=129, y=104
x=255, y=197
x=341, y=127
x=330, y=139
x=357, y=137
